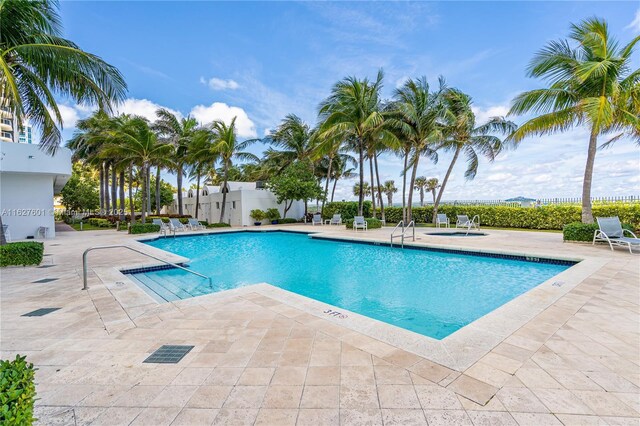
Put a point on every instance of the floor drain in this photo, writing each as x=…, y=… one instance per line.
x=40, y=312
x=168, y=354
x=45, y=280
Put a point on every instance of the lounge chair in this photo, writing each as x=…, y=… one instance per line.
x=7, y=233
x=176, y=225
x=317, y=219
x=612, y=232
x=442, y=219
x=359, y=223
x=464, y=222
x=194, y=224
x=336, y=219
x=164, y=228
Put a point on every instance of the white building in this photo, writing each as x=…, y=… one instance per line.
x=242, y=197
x=29, y=178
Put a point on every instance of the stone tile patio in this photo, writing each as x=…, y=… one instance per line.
x=261, y=360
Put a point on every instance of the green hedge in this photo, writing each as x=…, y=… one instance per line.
x=100, y=223
x=545, y=217
x=218, y=225
x=22, y=253
x=17, y=392
x=348, y=209
x=578, y=231
x=146, y=228
x=287, y=220
x=371, y=223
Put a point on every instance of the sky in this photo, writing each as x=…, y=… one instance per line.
x=259, y=61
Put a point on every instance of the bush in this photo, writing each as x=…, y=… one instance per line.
x=545, y=217
x=140, y=228
x=371, y=223
x=578, y=231
x=348, y=209
x=257, y=215
x=286, y=220
x=100, y=223
x=22, y=253
x=17, y=392
x=272, y=214
x=218, y=225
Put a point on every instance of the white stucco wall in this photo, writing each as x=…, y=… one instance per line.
x=28, y=180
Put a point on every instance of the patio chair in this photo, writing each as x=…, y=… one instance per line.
x=7, y=233
x=612, y=232
x=195, y=224
x=42, y=230
x=442, y=219
x=317, y=219
x=336, y=219
x=359, y=223
x=176, y=225
x=464, y=222
x=164, y=228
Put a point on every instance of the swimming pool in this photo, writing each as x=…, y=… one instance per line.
x=433, y=293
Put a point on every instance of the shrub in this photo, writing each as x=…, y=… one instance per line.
x=286, y=220
x=21, y=253
x=578, y=231
x=371, y=223
x=348, y=209
x=17, y=392
x=140, y=228
x=100, y=223
x=218, y=225
x=272, y=214
x=257, y=214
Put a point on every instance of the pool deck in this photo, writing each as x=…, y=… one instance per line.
x=566, y=352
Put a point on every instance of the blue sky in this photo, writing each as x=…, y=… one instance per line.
x=261, y=61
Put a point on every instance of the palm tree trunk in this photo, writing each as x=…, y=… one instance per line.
x=198, y=194
x=390, y=198
x=444, y=183
x=148, y=183
x=414, y=172
x=404, y=186
x=114, y=190
x=373, y=192
x=587, y=214
x=107, y=203
x=361, y=164
x=224, y=193
x=144, y=171
x=333, y=191
x=101, y=173
x=158, y=190
x=433, y=192
x=375, y=159
x=131, y=204
x=421, y=197
x=122, y=202
x=179, y=183
x=326, y=184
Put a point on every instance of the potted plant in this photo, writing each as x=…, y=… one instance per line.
x=257, y=215
x=273, y=215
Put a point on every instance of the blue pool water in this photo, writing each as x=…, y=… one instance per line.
x=429, y=292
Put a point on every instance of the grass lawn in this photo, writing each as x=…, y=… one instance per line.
x=431, y=225
x=88, y=227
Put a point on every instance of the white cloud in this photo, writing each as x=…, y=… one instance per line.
x=635, y=24
x=221, y=111
x=70, y=116
x=219, y=83
x=484, y=114
x=499, y=177
x=543, y=178
x=142, y=107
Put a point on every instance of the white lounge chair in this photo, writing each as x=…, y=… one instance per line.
x=359, y=223
x=164, y=228
x=464, y=222
x=176, y=225
x=612, y=232
x=317, y=219
x=336, y=219
x=442, y=219
x=7, y=233
x=195, y=224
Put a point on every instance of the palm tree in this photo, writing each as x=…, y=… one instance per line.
x=202, y=156
x=38, y=66
x=364, y=189
x=431, y=185
x=590, y=85
x=417, y=111
x=226, y=145
x=341, y=170
x=353, y=114
x=293, y=137
x=389, y=189
x=419, y=185
x=180, y=133
x=462, y=135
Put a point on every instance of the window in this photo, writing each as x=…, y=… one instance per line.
x=6, y=135
x=6, y=121
x=233, y=204
x=218, y=205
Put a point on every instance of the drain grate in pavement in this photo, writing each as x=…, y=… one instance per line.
x=40, y=312
x=168, y=354
x=46, y=266
x=45, y=280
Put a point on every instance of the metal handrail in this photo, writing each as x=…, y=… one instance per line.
x=84, y=262
x=402, y=235
x=400, y=224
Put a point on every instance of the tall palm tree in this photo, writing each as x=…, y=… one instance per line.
x=419, y=185
x=431, y=185
x=341, y=170
x=364, y=189
x=389, y=189
x=225, y=143
x=352, y=112
x=37, y=64
x=418, y=111
x=202, y=156
x=180, y=133
x=462, y=135
x=591, y=84
x=293, y=137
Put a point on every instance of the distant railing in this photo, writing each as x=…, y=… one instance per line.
x=622, y=199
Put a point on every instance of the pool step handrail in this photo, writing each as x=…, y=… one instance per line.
x=403, y=232
x=473, y=224
x=86, y=252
